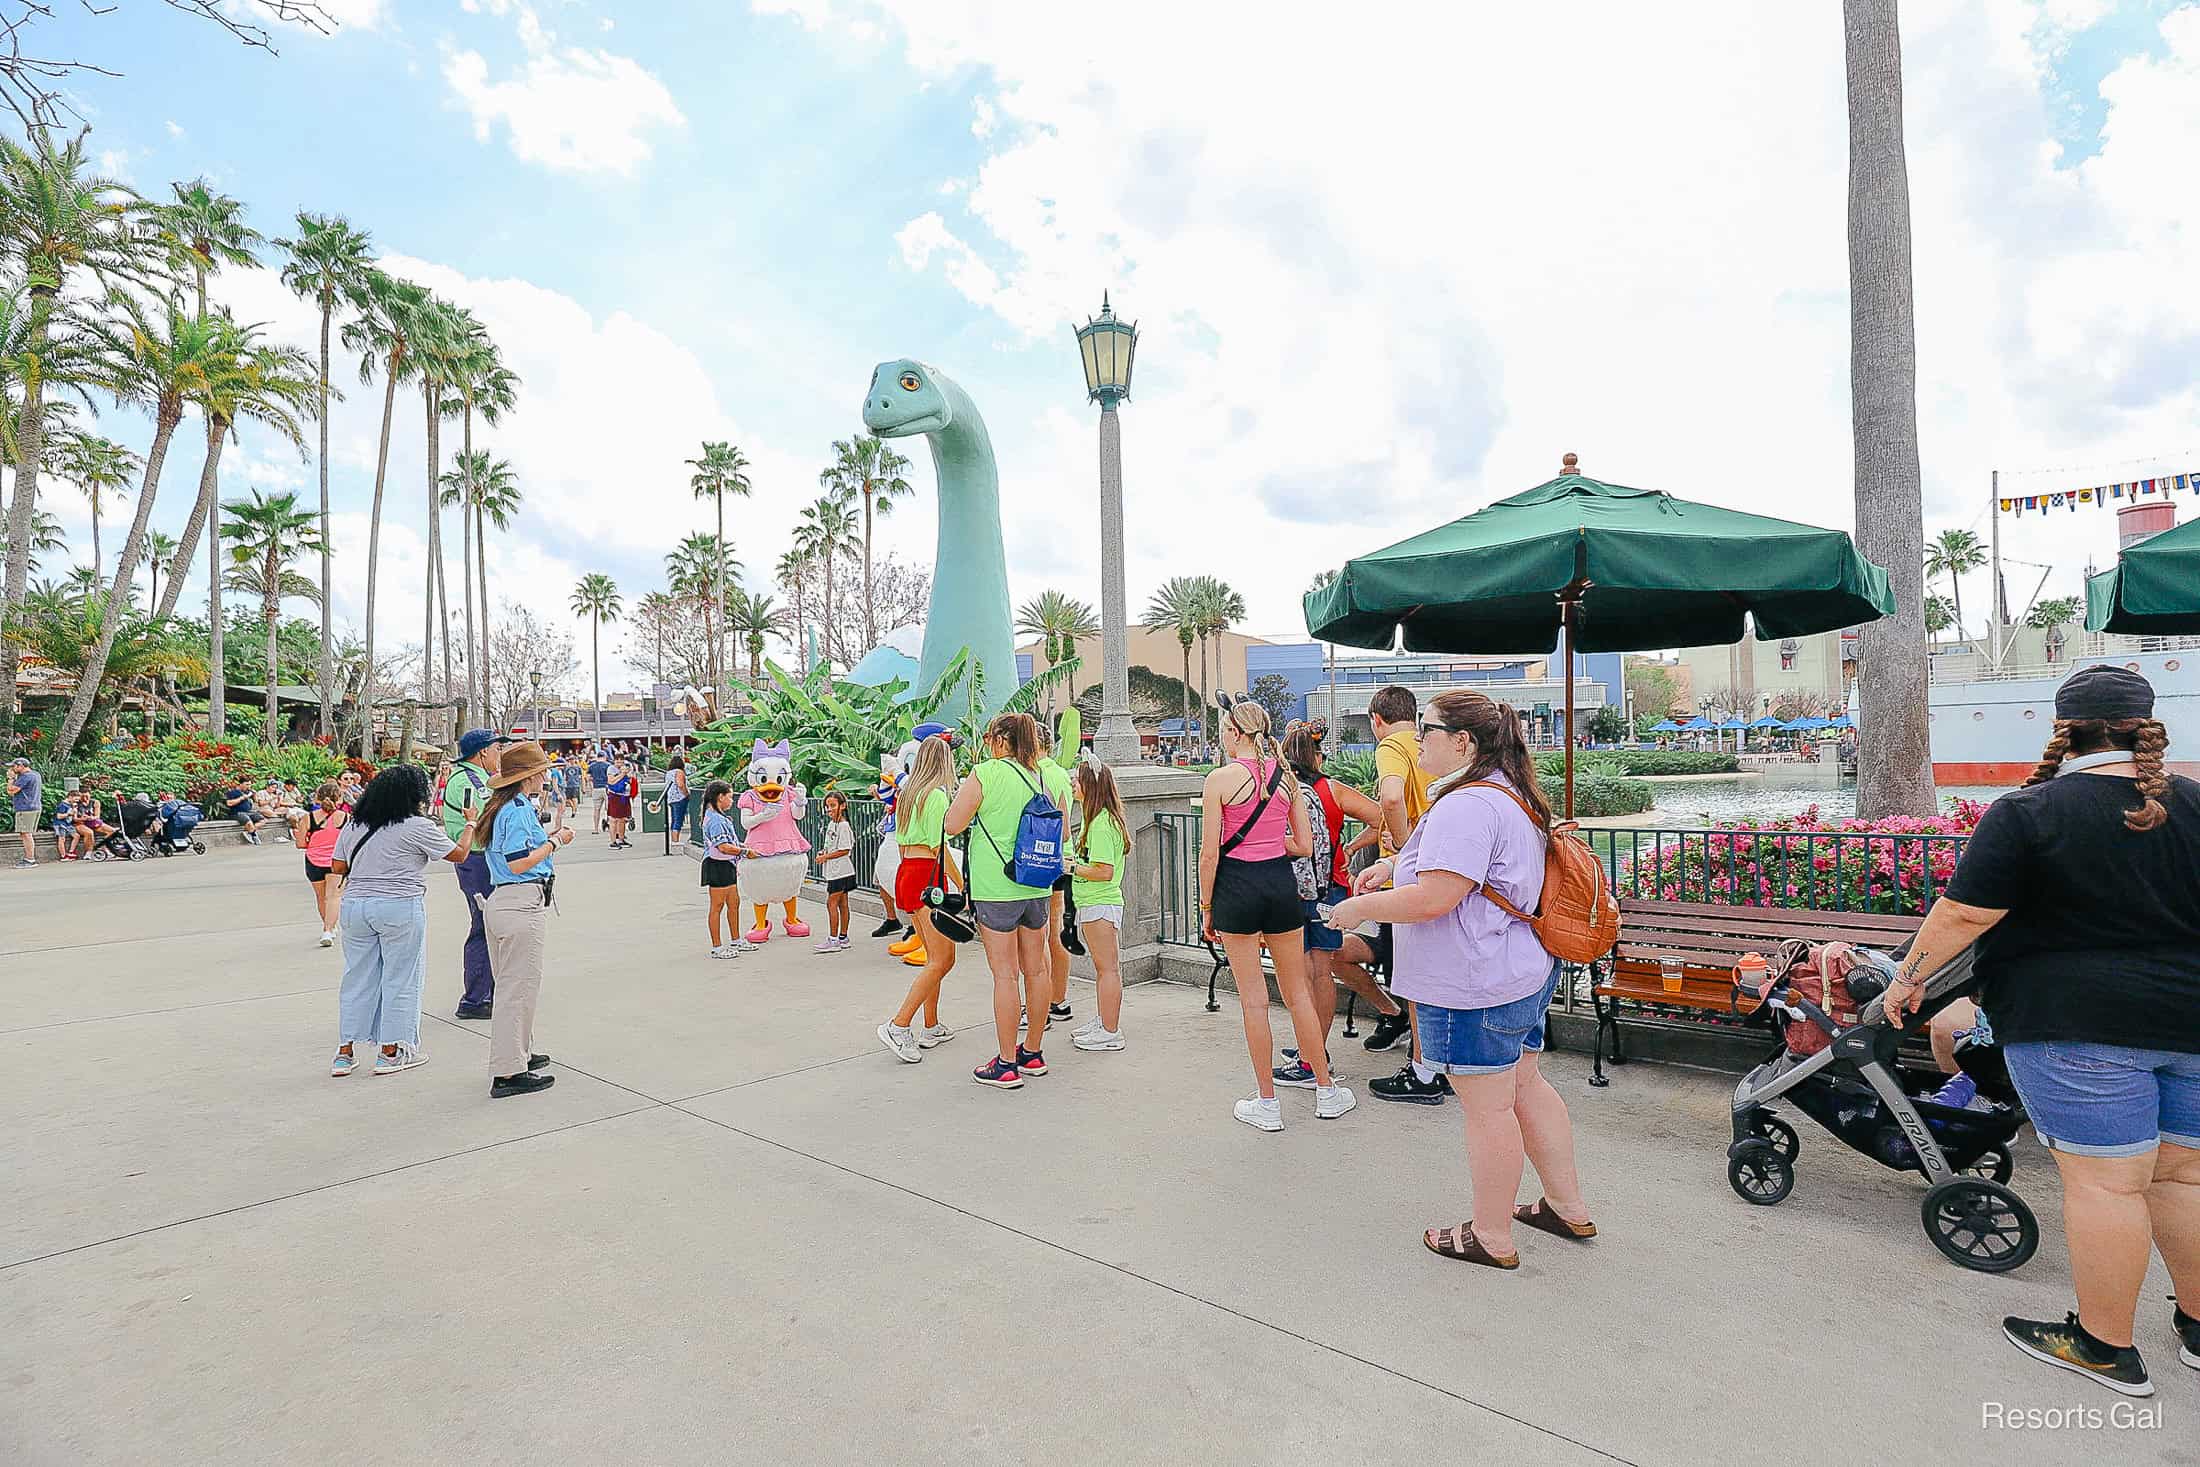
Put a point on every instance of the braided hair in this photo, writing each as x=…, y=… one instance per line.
x=2147, y=740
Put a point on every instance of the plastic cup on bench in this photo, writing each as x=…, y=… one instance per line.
x=1672, y=971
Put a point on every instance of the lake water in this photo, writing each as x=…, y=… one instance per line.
x=1775, y=794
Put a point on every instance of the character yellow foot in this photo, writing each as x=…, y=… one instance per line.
x=915, y=956
x=796, y=927
x=902, y=947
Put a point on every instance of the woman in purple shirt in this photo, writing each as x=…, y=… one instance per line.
x=1478, y=977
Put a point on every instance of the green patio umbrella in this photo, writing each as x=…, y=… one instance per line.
x=2153, y=590
x=1598, y=567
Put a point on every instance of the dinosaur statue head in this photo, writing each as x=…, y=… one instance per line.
x=905, y=400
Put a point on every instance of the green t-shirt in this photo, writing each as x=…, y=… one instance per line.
x=1103, y=847
x=464, y=793
x=925, y=827
x=1008, y=788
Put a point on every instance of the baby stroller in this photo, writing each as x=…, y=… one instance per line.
x=1844, y=1077
x=138, y=819
x=175, y=836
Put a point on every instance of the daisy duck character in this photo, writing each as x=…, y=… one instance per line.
x=775, y=853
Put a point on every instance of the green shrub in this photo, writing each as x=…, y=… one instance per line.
x=195, y=768
x=1638, y=763
x=1601, y=794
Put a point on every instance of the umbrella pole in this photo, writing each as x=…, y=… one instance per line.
x=1566, y=623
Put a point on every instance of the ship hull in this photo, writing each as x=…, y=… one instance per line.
x=1991, y=732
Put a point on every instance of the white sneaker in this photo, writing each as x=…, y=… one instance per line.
x=406, y=1057
x=901, y=1041
x=725, y=950
x=826, y=945
x=739, y=946
x=328, y=939
x=1262, y=1115
x=1085, y=1028
x=1095, y=1037
x=1332, y=1101
x=932, y=1036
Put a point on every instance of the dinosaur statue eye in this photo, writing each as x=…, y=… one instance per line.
x=910, y=382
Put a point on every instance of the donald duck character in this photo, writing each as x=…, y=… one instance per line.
x=775, y=854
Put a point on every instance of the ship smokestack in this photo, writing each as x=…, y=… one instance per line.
x=2139, y=522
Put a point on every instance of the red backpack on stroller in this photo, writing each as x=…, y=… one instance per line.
x=1806, y=966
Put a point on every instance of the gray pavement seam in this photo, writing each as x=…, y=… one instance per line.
x=1131, y=1273
x=388, y=1171
x=181, y=1008
x=163, y=936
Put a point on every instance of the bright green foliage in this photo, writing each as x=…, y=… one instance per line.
x=1637, y=763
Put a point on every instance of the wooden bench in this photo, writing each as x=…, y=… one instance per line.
x=1705, y=940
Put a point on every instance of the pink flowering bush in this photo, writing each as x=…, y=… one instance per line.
x=1899, y=864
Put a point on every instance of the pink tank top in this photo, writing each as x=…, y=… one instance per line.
x=1264, y=842
x=321, y=833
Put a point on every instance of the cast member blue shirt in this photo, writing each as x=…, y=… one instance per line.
x=518, y=830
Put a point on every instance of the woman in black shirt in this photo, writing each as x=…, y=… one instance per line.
x=2082, y=891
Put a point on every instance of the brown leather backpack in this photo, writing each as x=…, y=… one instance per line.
x=1577, y=920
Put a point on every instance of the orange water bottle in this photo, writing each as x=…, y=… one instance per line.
x=1749, y=973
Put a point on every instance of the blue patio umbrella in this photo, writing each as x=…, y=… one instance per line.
x=1697, y=725
x=1797, y=725
x=1731, y=724
x=1842, y=722
x=1768, y=721
x=1665, y=726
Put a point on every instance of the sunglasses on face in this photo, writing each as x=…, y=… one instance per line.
x=1429, y=728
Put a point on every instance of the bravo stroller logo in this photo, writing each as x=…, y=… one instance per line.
x=2122, y=1416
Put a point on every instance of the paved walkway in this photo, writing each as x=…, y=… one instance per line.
x=736, y=1231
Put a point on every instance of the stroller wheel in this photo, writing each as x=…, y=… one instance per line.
x=1778, y=1134
x=1980, y=1224
x=1759, y=1174
x=198, y=848
x=137, y=853
x=1995, y=1164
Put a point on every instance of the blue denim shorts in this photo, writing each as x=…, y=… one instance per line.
x=1484, y=1041
x=1320, y=936
x=2107, y=1099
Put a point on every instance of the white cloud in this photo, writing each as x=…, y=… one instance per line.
x=1377, y=302
x=566, y=107
x=115, y=163
x=175, y=129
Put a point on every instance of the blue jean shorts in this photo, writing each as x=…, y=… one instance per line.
x=1320, y=936
x=2107, y=1099
x=1484, y=1041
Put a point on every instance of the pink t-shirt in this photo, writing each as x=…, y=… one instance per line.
x=1264, y=842
x=1475, y=956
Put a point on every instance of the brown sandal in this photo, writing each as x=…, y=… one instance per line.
x=1543, y=1215
x=1461, y=1243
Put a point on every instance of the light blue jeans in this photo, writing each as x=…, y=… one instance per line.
x=385, y=963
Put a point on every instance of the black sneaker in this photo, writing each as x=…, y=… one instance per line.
x=526, y=1082
x=1388, y=1030
x=475, y=1010
x=891, y=927
x=537, y=1061
x=1407, y=1086
x=2068, y=1346
x=1058, y=1013
x=2188, y=1337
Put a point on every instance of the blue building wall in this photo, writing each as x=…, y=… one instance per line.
x=1297, y=663
x=1606, y=668
x=1023, y=668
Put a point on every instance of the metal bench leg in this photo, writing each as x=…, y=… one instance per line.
x=1607, y=1025
x=1214, y=975
x=1351, y=1003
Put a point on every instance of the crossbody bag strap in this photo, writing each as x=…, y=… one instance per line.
x=1232, y=842
x=1484, y=887
x=1008, y=867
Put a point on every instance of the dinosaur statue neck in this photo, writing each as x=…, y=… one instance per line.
x=969, y=568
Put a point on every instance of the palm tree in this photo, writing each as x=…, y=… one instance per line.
x=58, y=221
x=46, y=538
x=438, y=332
x=271, y=386
x=203, y=230
x=328, y=263
x=1175, y=607
x=1939, y=616
x=474, y=483
x=1220, y=608
x=721, y=470
x=867, y=468
x=102, y=469
x=155, y=362
x=497, y=498
x=160, y=556
x=1058, y=620
x=1954, y=554
x=131, y=648
x=1894, y=773
x=480, y=382
x=382, y=335
x=266, y=531
x=81, y=586
x=826, y=533
x=596, y=598
x=752, y=614
x=793, y=565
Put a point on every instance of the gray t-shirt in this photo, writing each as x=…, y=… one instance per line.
x=30, y=793
x=393, y=862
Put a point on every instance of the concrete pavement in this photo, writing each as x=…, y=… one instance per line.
x=738, y=1231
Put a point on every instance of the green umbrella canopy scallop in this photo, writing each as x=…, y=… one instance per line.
x=2153, y=589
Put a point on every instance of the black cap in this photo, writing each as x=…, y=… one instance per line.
x=2106, y=693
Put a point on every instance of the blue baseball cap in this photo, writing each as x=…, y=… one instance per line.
x=473, y=741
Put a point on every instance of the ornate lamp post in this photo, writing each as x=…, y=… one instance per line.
x=534, y=684
x=1107, y=346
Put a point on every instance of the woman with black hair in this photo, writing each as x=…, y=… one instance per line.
x=383, y=856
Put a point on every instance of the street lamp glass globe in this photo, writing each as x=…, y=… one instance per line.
x=1107, y=347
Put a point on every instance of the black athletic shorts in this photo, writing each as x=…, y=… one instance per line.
x=717, y=874
x=1256, y=897
x=315, y=874
x=839, y=884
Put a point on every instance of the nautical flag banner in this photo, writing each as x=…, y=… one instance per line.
x=2085, y=496
x=2005, y=506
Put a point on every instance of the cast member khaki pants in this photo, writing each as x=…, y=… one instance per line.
x=516, y=919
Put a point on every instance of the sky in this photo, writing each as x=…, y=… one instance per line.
x=1389, y=263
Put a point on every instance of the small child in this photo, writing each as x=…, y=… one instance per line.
x=721, y=852
x=839, y=870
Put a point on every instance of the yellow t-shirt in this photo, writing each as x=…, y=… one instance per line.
x=1400, y=754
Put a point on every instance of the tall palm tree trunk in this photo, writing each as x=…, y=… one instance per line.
x=474, y=675
x=595, y=663
x=29, y=422
x=217, y=679
x=1894, y=756
x=1186, y=688
x=1206, y=698
x=435, y=557
x=710, y=614
x=374, y=562
x=826, y=616
x=870, y=619
x=271, y=612
x=133, y=543
x=481, y=568
x=187, y=544
x=328, y=648
x=95, y=535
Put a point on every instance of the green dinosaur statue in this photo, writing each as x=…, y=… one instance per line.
x=969, y=568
